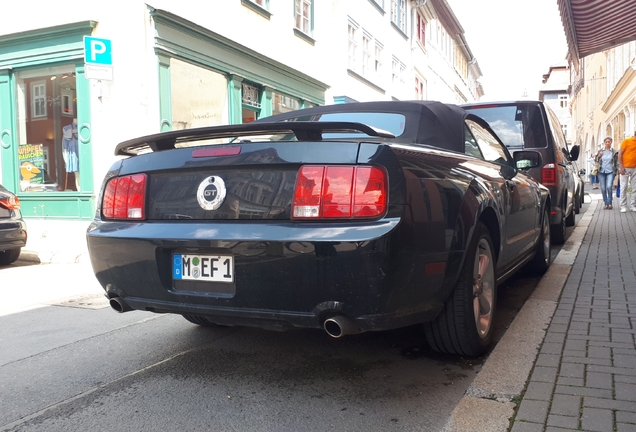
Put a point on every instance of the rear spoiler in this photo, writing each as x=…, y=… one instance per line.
x=303, y=130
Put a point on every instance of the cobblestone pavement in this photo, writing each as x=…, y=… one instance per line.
x=584, y=378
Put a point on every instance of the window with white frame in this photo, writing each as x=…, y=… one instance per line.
x=420, y=88
x=366, y=54
x=38, y=99
x=68, y=107
x=353, y=45
x=378, y=59
x=563, y=101
x=420, y=29
x=564, y=128
x=398, y=14
x=303, y=15
x=398, y=71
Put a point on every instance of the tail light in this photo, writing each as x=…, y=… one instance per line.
x=125, y=197
x=339, y=192
x=549, y=175
x=10, y=202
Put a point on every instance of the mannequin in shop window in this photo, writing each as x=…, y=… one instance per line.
x=70, y=152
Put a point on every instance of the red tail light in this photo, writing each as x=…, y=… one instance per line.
x=10, y=202
x=339, y=192
x=125, y=197
x=549, y=175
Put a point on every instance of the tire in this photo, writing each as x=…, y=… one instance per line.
x=543, y=254
x=465, y=325
x=570, y=220
x=577, y=203
x=557, y=232
x=9, y=256
x=199, y=320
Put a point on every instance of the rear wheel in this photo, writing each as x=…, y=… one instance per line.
x=9, y=256
x=577, y=203
x=543, y=254
x=570, y=219
x=465, y=325
x=558, y=232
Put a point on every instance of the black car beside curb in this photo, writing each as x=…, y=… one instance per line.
x=532, y=125
x=13, y=230
x=351, y=218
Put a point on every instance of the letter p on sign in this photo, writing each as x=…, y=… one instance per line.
x=97, y=51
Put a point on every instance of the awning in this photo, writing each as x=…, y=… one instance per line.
x=592, y=26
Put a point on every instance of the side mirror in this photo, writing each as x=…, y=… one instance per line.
x=526, y=159
x=574, y=152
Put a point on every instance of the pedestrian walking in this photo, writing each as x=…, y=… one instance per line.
x=627, y=170
x=607, y=167
x=593, y=174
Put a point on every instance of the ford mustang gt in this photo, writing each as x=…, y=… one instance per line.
x=350, y=218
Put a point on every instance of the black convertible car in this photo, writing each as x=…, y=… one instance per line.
x=352, y=218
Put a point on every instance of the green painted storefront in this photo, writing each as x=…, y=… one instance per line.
x=240, y=85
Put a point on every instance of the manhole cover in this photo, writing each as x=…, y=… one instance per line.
x=91, y=301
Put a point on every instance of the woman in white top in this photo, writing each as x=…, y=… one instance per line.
x=607, y=167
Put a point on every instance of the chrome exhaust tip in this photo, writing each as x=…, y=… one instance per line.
x=339, y=326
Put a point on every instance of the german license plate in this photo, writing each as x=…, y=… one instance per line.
x=206, y=268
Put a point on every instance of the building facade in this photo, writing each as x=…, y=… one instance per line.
x=172, y=64
x=603, y=98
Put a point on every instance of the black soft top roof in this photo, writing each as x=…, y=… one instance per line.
x=427, y=122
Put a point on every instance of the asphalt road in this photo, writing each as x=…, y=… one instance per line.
x=69, y=363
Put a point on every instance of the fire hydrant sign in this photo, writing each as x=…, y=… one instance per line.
x=98, y=59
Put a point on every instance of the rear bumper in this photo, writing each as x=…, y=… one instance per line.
x=286, y=274
x=13, y=234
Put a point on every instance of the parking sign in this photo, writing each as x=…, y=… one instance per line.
x=97, y=51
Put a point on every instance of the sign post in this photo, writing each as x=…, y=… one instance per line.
x=98, y=58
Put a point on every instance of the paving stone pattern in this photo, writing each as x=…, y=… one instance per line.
x=584, y=378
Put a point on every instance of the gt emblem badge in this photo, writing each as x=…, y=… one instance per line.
x=211, y=193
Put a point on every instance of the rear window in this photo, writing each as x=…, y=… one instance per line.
x=389, y=122
x=514, y=125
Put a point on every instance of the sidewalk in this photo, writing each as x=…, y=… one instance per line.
x=568, y=360
x=56, y=241
x=584, y=377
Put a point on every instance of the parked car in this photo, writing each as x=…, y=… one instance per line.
x=351, y=218
x=13, y=230
x=579, y=195
x=533, y=125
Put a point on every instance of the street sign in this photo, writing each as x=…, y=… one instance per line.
x=96, y=72
x=97, y=51
x=98, y=59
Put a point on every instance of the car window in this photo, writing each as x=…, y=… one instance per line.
x=390, y=122
x=559, y=138
x=470, y=144
x=515, y=125
x=490, y=147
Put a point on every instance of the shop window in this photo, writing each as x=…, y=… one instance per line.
x=251, y=102
x=48, y=151
x=199, y=96
x=283, y=103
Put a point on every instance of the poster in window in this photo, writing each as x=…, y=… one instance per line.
x=31, y=162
